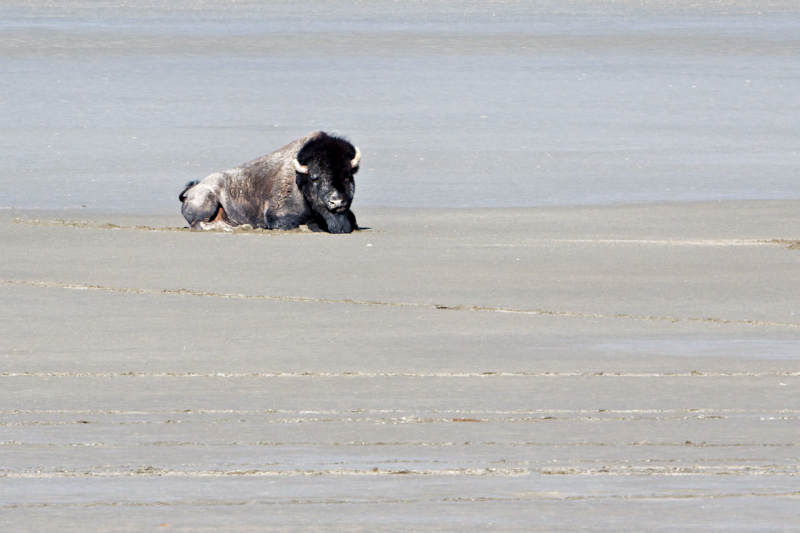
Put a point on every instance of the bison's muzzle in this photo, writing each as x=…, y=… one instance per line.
x=337, y=204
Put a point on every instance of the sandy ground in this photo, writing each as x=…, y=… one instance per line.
x=556, y=369
x=536, y=369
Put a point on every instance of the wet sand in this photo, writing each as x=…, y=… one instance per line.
x=544, y=369
x=513, y=366
x=458, y=103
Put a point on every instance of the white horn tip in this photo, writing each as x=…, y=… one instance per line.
x=354, y=162
x=302, y=169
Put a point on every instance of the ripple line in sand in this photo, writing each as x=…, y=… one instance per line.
x=609, y=469
x=234, y=375
x=88, y=224
x=567, y=412
x=541, y=496
x=656, y=242
x=396, y=421
x=239, y=230
x=165, y=472
x=576, y=314
x=409, y=444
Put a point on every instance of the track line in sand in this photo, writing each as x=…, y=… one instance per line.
x=542, y=496
x=400, y=444
x=655, y=242
x=82, y=224
x=576, y=314
x=609, y=469
x=385, y=421
x=86, y=224
x=233, y=375
x=508, y=412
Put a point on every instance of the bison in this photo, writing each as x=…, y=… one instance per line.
x=308, y=181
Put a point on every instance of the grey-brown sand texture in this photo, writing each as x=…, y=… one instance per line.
x=626, y=368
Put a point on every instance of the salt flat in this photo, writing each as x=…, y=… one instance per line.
x=477, y=360
x=543, y=369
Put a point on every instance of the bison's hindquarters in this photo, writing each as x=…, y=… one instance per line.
x=201, y=208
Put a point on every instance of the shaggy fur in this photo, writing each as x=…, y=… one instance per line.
x=270, y=193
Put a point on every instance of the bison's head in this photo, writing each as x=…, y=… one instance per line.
x=325, y=167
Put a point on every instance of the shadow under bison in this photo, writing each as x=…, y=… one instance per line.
x=309, y=181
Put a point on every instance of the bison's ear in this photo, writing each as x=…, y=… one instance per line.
x=300, y=180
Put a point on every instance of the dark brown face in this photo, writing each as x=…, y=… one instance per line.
x=325, y=175
x=329, y=188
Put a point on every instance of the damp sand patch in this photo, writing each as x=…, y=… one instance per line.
x=377, y=303
x=246, y=229
x=790, y=244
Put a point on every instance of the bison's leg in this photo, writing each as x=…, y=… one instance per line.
x=220, y=221
x=335, y=223
x=351, y=217
x=282, y=222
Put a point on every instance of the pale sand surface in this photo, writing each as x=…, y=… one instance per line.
x=605, y=368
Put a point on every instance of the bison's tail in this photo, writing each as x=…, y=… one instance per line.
x=182, y=195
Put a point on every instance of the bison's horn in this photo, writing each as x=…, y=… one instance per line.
x=354, y=162
x=302, y=169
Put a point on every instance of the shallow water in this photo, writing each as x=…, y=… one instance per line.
x=457, y=104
